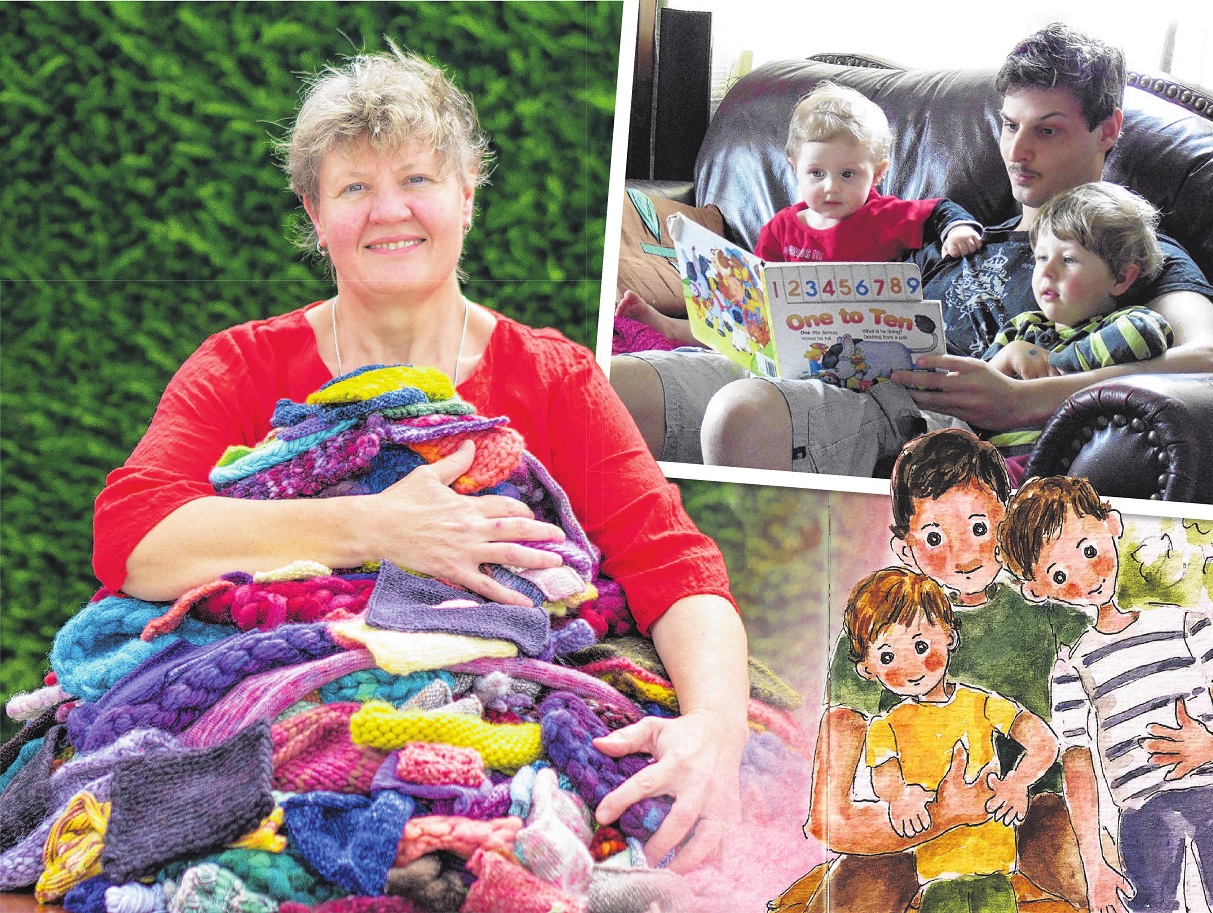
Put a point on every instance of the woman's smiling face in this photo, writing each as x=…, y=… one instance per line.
x=392, y=223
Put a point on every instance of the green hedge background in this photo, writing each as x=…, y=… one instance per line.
x=143, y=211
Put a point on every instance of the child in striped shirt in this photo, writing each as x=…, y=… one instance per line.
x=1132, y=669
x=1091, y=244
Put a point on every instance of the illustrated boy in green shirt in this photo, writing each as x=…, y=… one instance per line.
x=949, y=493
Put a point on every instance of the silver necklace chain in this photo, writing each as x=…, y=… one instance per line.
x=458, y=355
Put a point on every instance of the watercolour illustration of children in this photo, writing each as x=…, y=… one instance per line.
x=902, y=632
x=1133, y=675
x=949, y=491
x=838, y=146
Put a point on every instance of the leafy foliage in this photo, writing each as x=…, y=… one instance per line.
x=143, y=212
x=775, y=544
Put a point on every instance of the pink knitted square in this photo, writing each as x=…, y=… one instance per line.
x=437, y=764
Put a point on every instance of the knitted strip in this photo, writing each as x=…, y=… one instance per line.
x=350, y=840
x=32, y=730
x=409, y=431
x=88, y=896
x=412, y=410
x=26, y=706
x=28, y=751
x=207, y=888
x=172, y=694
x=569, y=728
x=100, y=644
x=266, y=695
x=402, y=601
x=416, y=651
x=353, y=903
x=559, y=678
x=503, y=747
x=313, y=751
x=607, y=842
x=549, y=503
x=425, y=762
x=608, y=612
x=425, y=882
x=505, y=885
x=575, y=635
x=457, y=835
x=498, y=451
x=29, y=799
x=21, y=865
x=265, y=836
x=624, y=889
x=337, y=458
x=283, y=875
x=266, y=605
x=211, y=796
x=765, y=685
x=554, y=842
x=390, y=465
x=270, y=453
x=291, y=413
x=179, y=609
x=376, y=380
x=377, y=685
x=558, y=584
x=639, y=684
x=482, y=802
x=72, y=851
x=135, y=898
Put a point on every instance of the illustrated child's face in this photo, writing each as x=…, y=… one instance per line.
x=953, y=538
x=1078, y=566
x=910, y=660
x=835, y=178
x=1071, y=283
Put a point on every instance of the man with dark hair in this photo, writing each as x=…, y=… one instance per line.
x=1060, y=116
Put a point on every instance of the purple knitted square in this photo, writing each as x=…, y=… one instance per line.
x=406, y=602
x=185, y=802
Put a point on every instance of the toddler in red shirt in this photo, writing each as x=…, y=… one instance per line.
x=838, y=145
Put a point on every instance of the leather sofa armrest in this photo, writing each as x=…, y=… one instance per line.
x=1139, y=436
x=678, y=191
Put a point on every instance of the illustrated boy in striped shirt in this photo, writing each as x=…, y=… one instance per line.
x=1133, y=669
x=1090, y=244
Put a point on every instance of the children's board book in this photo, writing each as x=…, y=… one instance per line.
x=847, y=324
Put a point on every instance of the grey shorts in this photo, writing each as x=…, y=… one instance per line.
x=834, y=430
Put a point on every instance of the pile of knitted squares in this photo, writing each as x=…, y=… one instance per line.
x=359, y=739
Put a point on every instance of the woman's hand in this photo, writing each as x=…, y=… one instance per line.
x=698, y=756
x=423, y=525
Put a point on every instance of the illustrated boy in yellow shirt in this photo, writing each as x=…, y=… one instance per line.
x=902, y=632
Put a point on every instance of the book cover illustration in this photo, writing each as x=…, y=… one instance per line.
x=846, y=324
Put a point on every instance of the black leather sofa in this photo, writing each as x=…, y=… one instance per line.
x=1142, y=436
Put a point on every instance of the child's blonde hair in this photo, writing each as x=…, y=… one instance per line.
x=1111, y=222
x=831, y=111
x=893, y=596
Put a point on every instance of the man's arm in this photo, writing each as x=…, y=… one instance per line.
x=980, y=395
x=863, y=828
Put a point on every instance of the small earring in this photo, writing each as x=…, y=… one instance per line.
x=467, y=226
x=320, y=247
